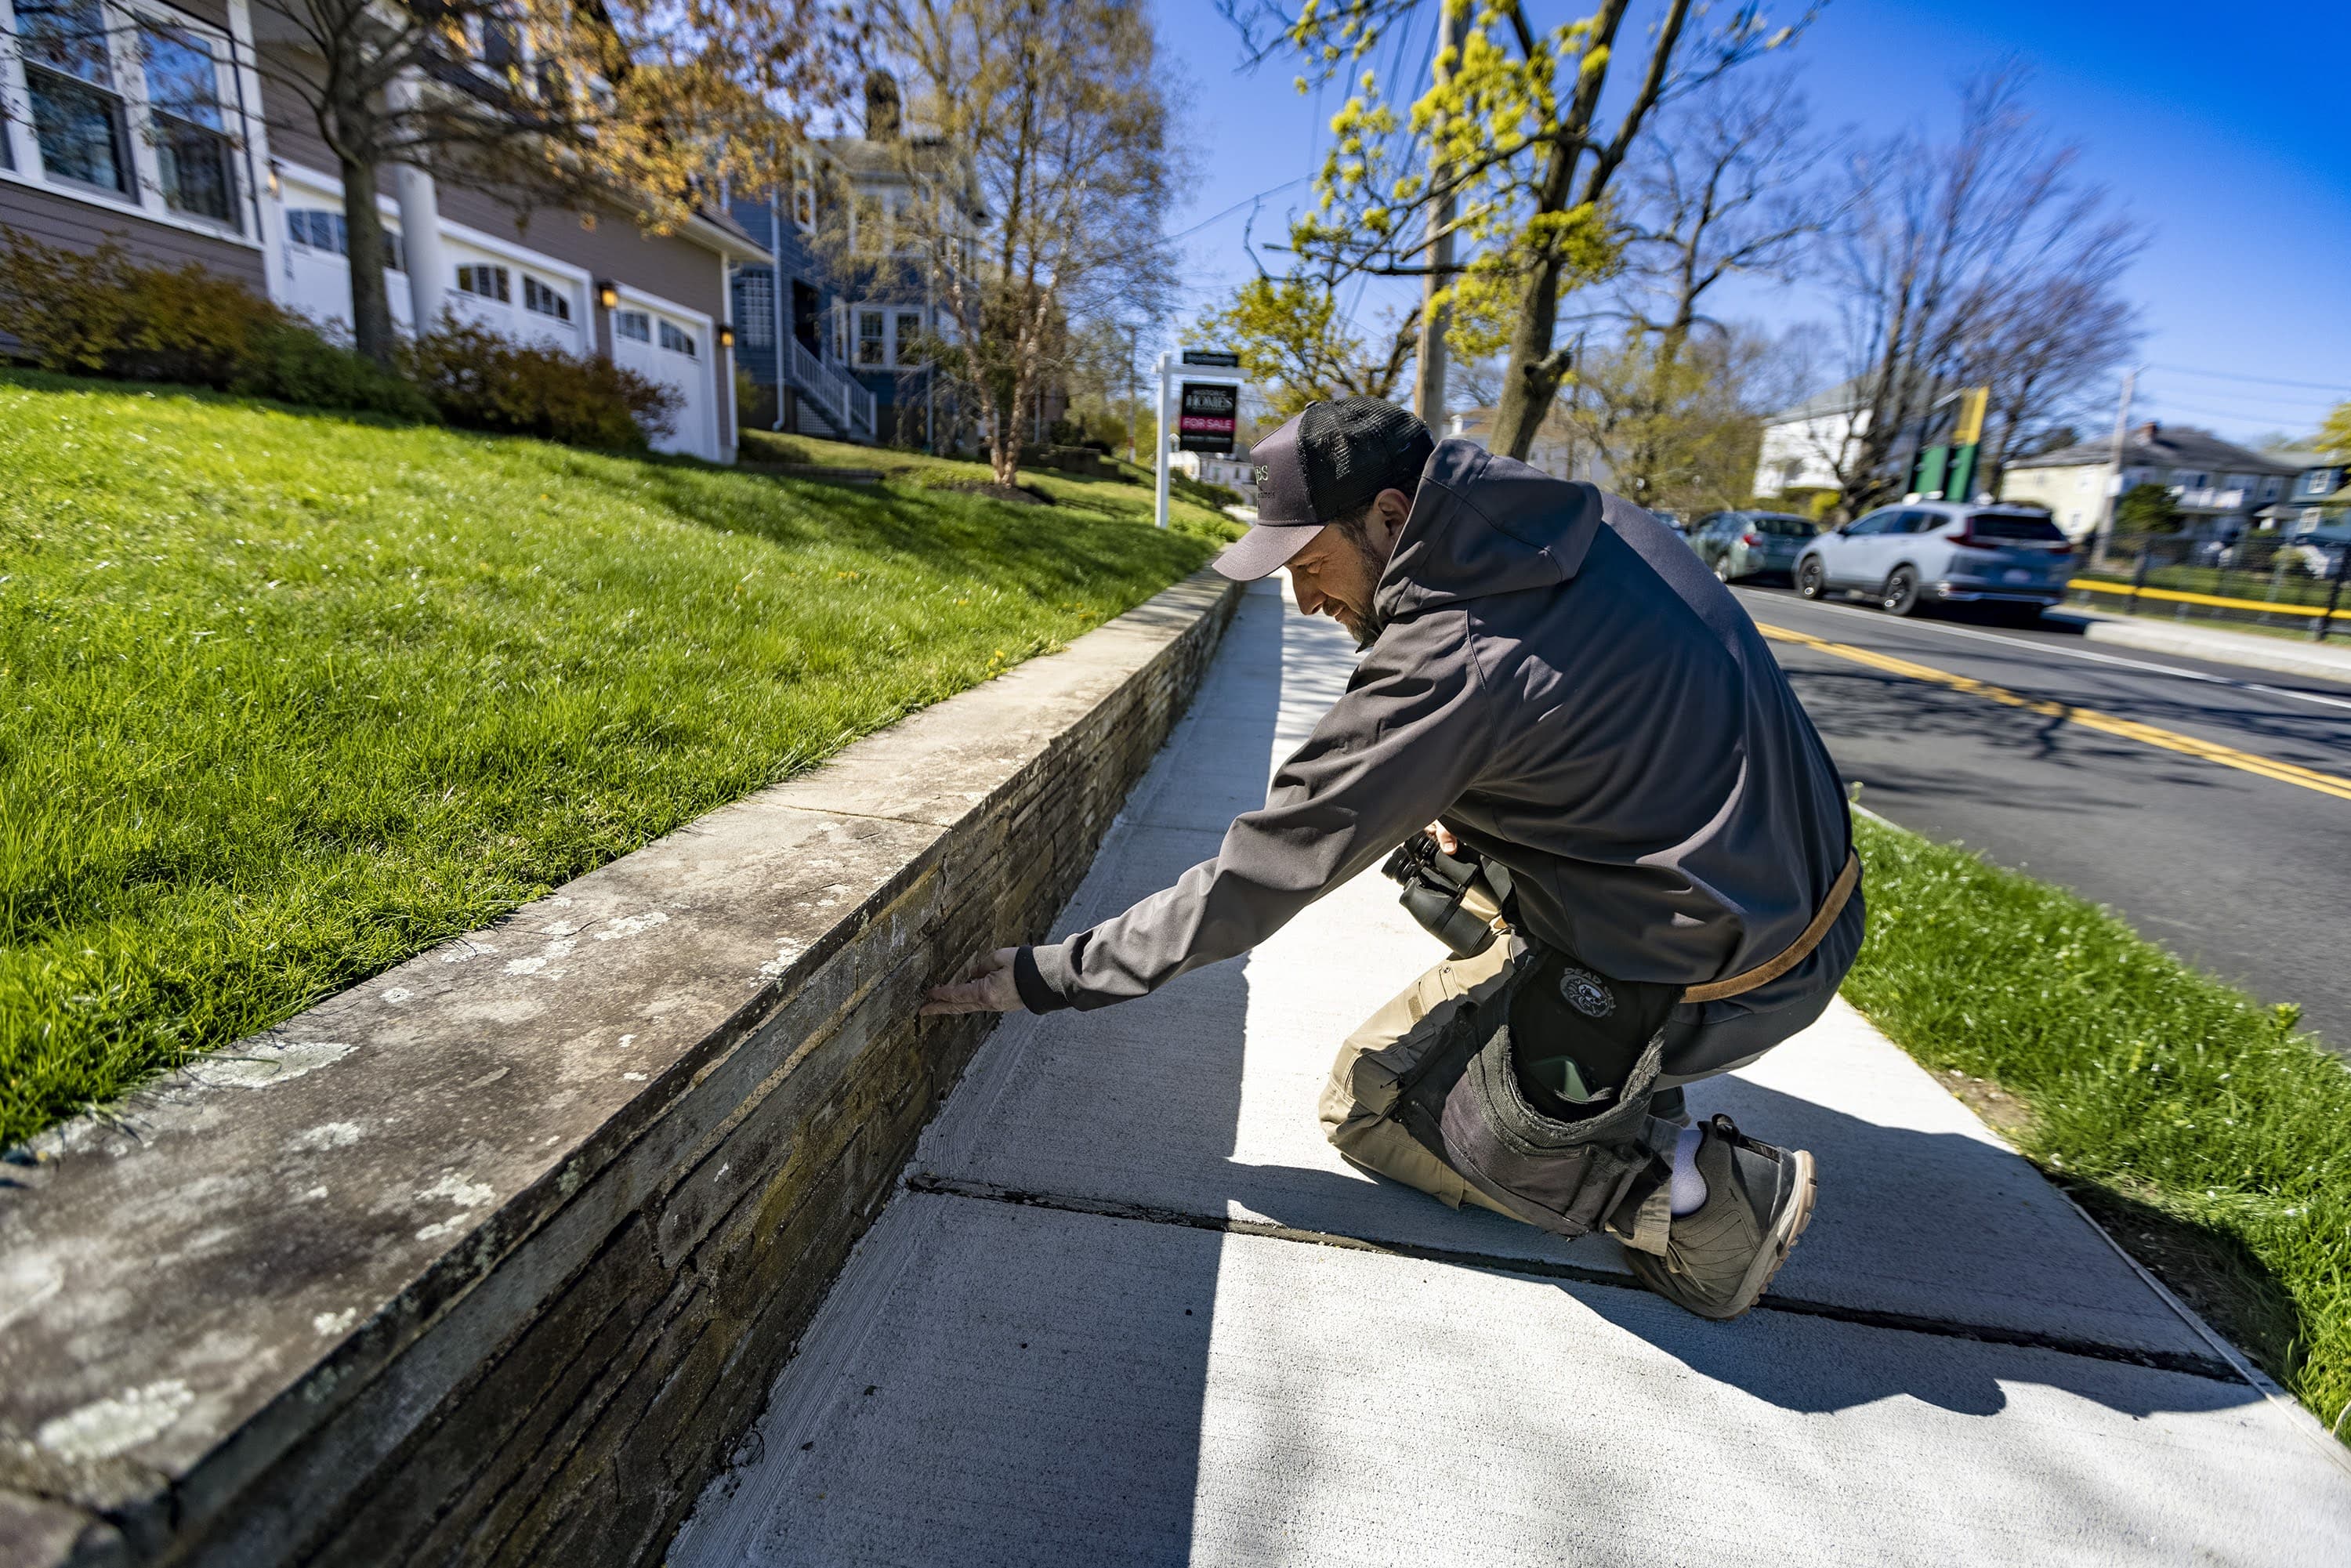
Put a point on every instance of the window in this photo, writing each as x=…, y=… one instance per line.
x=910, y=337
x=191, y=148
x=316, y=228
x=2013, y=525
x=79, y=119
x=2315, y=482
x=676, y=342
x=870, y=347
x=544, y=299
x=1884, y=521
x=501, y=44
x=870, y=226
x=804, y=190
x=1782, y=525
x=755, y=309
x=490, y=282
x=634, y=324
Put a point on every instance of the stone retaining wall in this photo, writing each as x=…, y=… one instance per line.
x=490, y=1259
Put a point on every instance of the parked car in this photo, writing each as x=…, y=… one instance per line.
x=1672, y=519
x=1750, y=544
x=1942, y=551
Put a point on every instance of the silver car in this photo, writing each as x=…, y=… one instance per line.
x=1944, y=552
x=1750, y=544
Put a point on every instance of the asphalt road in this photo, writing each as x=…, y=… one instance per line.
x=2241, y=866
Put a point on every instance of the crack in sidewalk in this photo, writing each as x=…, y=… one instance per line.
x=2193, y=1365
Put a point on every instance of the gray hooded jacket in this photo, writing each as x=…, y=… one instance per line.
x=1556, y=678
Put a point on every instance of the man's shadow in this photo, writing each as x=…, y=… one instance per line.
x=1909, y=1281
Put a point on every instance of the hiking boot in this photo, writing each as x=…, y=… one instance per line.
x=1719, y=1256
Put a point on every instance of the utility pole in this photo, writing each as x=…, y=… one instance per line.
x=2114, y=467
x=1428, y=388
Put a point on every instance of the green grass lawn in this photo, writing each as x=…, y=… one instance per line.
x=289, y=699
x=2209, y=1135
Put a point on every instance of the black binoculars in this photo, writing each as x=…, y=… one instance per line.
x=1448, y=895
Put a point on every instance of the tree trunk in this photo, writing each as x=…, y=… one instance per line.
x=371, y=328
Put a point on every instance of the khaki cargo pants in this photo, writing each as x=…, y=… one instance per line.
x=1362, y=1086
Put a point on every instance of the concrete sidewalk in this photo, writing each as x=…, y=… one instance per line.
x=1132, y=1310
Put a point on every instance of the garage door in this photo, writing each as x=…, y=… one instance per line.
x=675, y=352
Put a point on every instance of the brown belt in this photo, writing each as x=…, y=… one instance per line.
x=1840, y=892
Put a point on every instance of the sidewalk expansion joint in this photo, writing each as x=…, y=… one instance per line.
x=2192, y=1365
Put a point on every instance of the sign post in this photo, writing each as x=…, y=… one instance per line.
x=1210, y=408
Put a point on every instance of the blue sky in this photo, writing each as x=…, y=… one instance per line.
x=2222, y=129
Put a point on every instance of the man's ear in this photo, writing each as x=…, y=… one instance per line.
x=1392, y=508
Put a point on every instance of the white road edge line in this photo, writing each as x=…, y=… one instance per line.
x=2075, y=652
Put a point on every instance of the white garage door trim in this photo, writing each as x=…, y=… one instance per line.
x=697, y=425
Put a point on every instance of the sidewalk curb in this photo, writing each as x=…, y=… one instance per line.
x=2220, y=647
x=2304, y=1421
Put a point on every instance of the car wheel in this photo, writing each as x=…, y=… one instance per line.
x=1722, y=569
x=1901, y=594
x=1811, y=581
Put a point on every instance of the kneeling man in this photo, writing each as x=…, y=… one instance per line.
x=1575, y=710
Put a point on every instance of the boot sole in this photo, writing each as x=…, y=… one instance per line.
x=1785, y=1230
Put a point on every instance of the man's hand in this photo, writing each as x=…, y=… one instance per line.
x=988, y=988
x=1444, y=837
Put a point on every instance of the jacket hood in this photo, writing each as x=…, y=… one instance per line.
x=1483, y=525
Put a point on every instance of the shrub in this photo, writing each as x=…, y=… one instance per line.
x=483, y=381
x=1216, y=495
x=99, y=311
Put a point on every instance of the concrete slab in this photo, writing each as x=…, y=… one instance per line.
x=1002, y=1386
x=1136, y=1311
x=1201, y=1099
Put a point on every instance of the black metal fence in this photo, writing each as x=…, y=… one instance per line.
x=2261, y=579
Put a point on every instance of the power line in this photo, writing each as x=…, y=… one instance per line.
x=2338, y=389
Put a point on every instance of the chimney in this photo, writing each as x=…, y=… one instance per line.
x=2149, y=432
x=880, y=106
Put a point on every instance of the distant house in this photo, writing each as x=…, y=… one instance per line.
x=148, y=121
x=2217, y=487
x=2315, y=491
x=1236, y=472
x=842, y=348
x=1804, y=446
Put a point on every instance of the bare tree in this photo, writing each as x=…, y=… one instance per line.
x=1938, y=243
x=1725, y=186
x=2045, y=343
x=1056, y=116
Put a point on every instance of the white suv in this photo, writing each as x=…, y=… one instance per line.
x=1942, y=550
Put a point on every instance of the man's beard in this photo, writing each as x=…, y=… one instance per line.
x=1360, y=627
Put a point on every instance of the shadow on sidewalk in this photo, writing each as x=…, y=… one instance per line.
x=1917, y=1224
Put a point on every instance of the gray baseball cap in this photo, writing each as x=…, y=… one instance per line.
x=1326, y=462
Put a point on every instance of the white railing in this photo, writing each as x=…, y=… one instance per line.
x=2210, y=497
x=839, y=393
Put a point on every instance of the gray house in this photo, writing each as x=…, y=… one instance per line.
x=148, y=121
x=2217, y=487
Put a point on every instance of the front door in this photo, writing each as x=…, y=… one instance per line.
x=807, y=318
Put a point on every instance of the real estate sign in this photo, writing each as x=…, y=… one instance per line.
x=1208, y=411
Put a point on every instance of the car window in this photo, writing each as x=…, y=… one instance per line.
x=2008, y=525
x=1783, y=525
x=1916, y=522
x=1876, y=522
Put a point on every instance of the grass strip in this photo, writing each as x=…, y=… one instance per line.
x=2207, y=1133
x=286, y=700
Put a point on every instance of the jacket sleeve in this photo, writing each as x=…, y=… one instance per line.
x=1391, y=756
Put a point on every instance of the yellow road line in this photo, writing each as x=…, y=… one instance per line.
x=2087, y=719
x=2183, y=597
